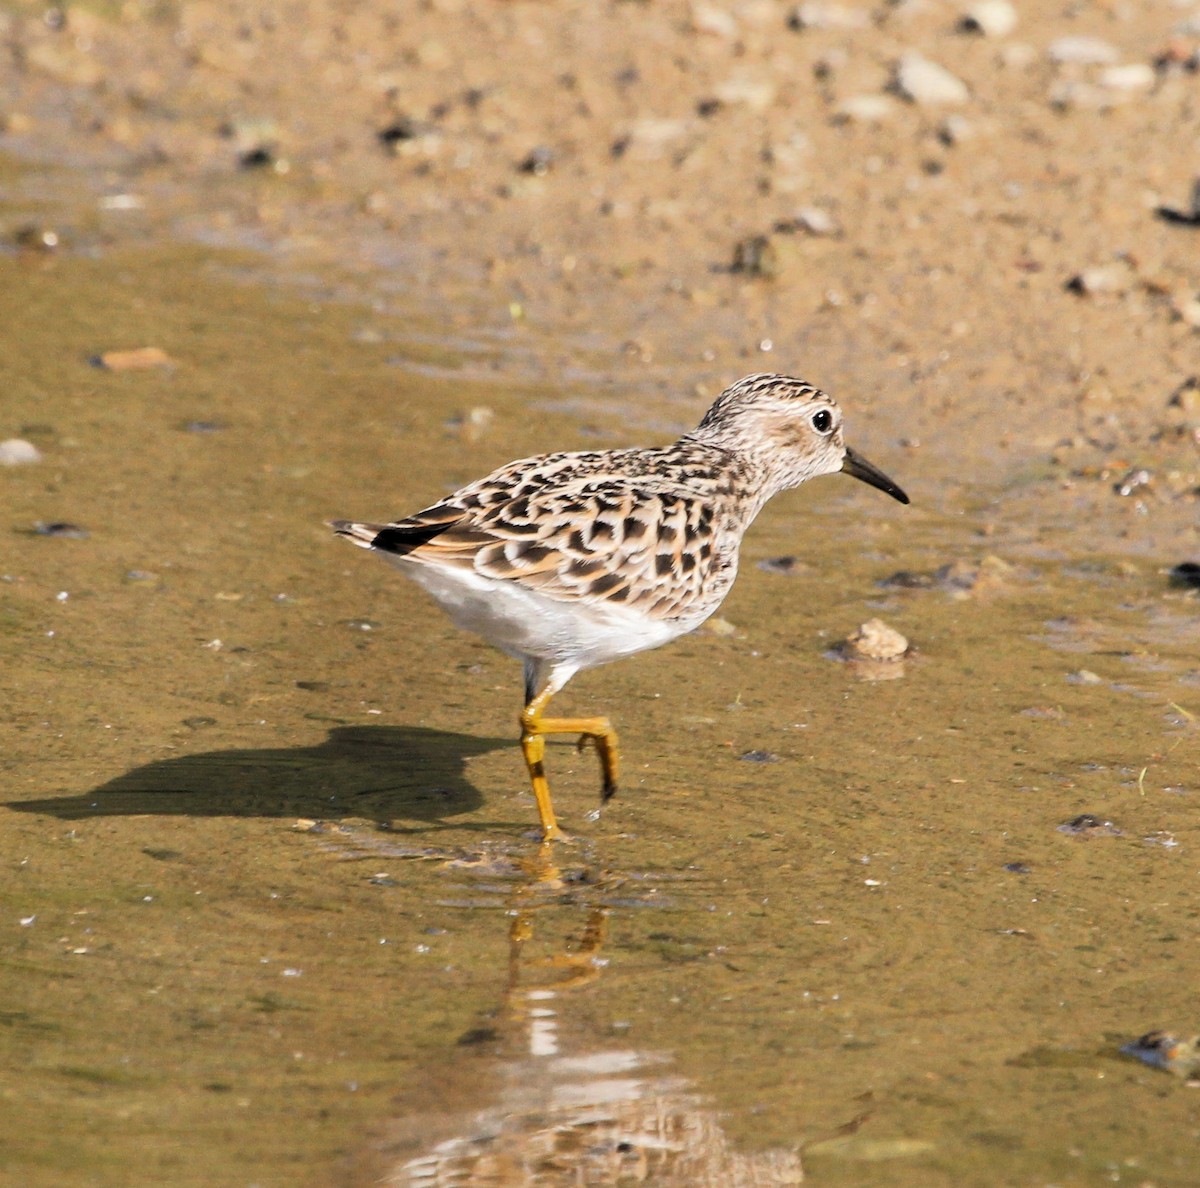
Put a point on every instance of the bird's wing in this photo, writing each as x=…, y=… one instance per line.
x=568, y=527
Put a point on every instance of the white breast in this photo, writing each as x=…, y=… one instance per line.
x=526, y=623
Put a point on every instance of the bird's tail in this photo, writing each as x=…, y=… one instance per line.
x=362, y=535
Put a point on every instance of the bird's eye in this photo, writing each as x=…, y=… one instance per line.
x=822, y=420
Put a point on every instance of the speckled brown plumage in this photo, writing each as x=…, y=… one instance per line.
x=656, y=530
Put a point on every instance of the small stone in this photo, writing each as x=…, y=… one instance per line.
x=1083, y=51
x=1106, y=278
x=865, y=109
x=826, y=16
x=758, y=757
x=1089, y=825
x=61, y=528
x=958, y=578
x=647, y=139
x=925, y=82
x=815, y=221
x=538, y=162
x=717, y=22
x=1187, y=310
x=954, y=130
x=138, y=359
x=1186, y=574
x=787, y=566
x=1085, y=676
x=1138, y=479
x=1185, y=218
x=875, y=640
x=1076, y=95
x=473, y=423
x=756, y=256
x=1134, y=76
x=250, y=133
x=17, y=452
x=748, y=90
x=991, y=18
x=35, y=238
x=399, y=130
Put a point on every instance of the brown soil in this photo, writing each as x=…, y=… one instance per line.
x=590, y=170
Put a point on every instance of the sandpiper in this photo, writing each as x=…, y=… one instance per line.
x=569, y=560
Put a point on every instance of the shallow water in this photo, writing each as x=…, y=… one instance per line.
x=274, y=911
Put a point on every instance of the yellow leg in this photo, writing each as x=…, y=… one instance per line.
x=534, y=728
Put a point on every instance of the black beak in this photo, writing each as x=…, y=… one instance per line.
x=856, y=465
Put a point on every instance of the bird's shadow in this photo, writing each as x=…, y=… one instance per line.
x=389, y=774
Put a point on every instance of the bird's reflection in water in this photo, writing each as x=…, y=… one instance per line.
x=601, y=1116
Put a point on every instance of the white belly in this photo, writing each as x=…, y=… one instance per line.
x=525, y=623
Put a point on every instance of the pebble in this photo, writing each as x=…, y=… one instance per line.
x=1185, y=218
x=1138, y=479
x=1133, y=76
x=954, y=130
x=756, y=256
x=875, y=640
x=992, y=18
x=538, y=162
x=62, y=529
x=715, y=21
x=959, y=578
x=758, y=757
x=1187, y=310
x=1089, y=825
x=748, y=90
x=826, y=16
x=865, y=109
x=36, y=238
x=925, y=82
x=788, y=566
x=1106, y=278
x=400, y=129
x=648, y=138
x=873, y=652
x=1084, y=51
x=138, y=359
x=1186, y=574
x=815, y=221
x=17, y=452
x=473, y=423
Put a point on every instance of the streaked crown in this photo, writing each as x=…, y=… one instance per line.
x=789, y=427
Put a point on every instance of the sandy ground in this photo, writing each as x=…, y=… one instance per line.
x=697, y=190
